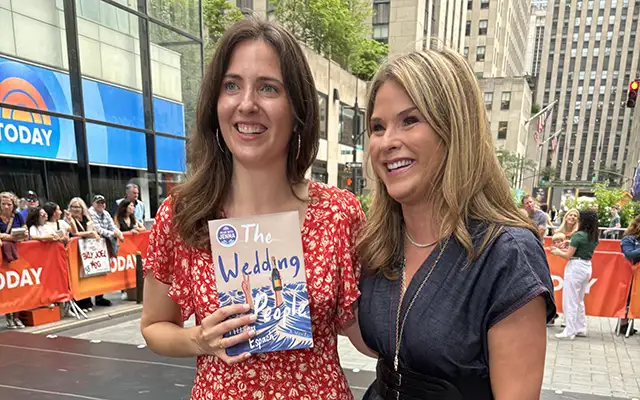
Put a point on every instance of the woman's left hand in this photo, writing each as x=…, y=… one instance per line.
x=134, y=231
x=555, y=251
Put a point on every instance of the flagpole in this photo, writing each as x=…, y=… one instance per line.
x=541, y=147
x=541, y=112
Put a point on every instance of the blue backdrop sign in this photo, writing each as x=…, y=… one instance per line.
x=29, y=134
x=40, y=136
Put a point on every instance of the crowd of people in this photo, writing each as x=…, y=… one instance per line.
x=576, y=240
x=34, y=218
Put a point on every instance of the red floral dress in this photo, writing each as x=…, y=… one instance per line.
x=331, y=222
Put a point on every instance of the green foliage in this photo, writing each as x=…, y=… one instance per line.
x=217, y=16
x=547, y=175
x=535, y=108
x=370, y=54
x=511, y=163
x=365, y=201
x=336, y=29
x=605, y=198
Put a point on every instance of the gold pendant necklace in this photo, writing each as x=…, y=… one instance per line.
x=419, y=245
x=400, y=326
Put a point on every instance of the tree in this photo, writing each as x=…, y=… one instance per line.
x=535, y=108
x=370, y=54
x=547, y=175
x=336, y=29
x=512, y=164
x=217, y=16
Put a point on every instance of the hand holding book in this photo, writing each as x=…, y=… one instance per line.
x=209, y=337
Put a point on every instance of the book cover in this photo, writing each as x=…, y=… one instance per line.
x=258, y=260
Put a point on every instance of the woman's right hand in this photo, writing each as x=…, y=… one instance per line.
x=209, y=337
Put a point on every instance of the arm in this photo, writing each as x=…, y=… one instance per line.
x=564, y=254
x=165, y=334
x=34, y=235
x=517, y=347
x=351, y=329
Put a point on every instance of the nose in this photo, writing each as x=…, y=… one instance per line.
x=390, y=142
x=248, y=103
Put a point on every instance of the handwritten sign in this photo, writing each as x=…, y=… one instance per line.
x=259, y=260
x=95, y=257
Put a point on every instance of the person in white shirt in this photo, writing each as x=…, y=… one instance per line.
x=54, y=223
x=36, y=219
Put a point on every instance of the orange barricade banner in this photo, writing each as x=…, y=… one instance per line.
x=36, y=279
x=608, y=288
x=603, y=245
x=123, y=268
x=634, y=306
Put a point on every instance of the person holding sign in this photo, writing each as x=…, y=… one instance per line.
x=456, y=289
x=257, y=133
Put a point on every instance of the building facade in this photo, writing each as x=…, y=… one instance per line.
x=590, y=57
x=535, y=39
x=94, y=95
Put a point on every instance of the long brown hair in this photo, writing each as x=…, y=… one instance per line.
x=634, y=227
x=468, y=184
x=201, y=197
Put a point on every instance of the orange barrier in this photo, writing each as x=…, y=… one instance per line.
x=37, y=278
x=634, y=306
x=123, y=268
x=608, y=288
x=604, y=244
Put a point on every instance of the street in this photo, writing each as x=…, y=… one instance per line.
x=599, y=366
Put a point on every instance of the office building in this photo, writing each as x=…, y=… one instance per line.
x=535, y=39
x=591, y=54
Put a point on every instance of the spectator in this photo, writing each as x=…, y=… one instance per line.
x=57, y=225
x=569, y=224
x=125, y=218
x=38, y=230
x=82, y=226
x=32, y=201
x=132, y=194
x=630, y=246
x=10, y=223
x=538, y=217
x=103, y=222
x=614, y=224
x=22, y=204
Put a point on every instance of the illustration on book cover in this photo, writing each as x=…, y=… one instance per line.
x=259, y=260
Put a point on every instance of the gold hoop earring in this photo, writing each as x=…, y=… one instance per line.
x=218, y=140
x=298, y=153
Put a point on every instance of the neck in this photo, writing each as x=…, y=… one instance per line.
x=259, y=191
x=420, y=222
x=6, y=216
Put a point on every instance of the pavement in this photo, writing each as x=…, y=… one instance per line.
x=600, y=366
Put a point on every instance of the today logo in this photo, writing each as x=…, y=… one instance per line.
x=24, y=127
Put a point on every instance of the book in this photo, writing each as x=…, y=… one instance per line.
x=259, y=260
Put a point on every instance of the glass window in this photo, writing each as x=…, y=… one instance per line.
x=612, y=19
x=575, y=37
x=381, y=31
x=467, y=28
x=346, y=128
x=573, y=52
x=482, y=27
x=585, y=51
x=484, y=4
x=589, y=21
x=480, y=53
x=324, y=119
x=502, y=130
x=466, y=51
x=598, y=36
x=581, y=75
x=381, y=13
x=587, y=35
x=596, y=51
x=183, y=14
x=600, y=19
x=176, y=74
x=110, y=64
x=506, y=101
x=469, y=4
x=488, y=100
x=319, y=171
x=602, y=88
x=579, y=90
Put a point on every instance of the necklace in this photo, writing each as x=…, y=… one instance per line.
x=420, y=245
x=399, y=325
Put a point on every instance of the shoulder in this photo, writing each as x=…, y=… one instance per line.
x=515, y=250
x=340, y=202
x=21, y=217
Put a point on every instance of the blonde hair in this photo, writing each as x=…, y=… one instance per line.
x=468, y=184
x=558, y=236
x=85, y=210
x=563, y=225
x=10, y=196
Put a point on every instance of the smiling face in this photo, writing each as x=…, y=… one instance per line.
x=43, y=217
x=405, y=151
x=254, y=111
x=571, y=219
x=131, y=209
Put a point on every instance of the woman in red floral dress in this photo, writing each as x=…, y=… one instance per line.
x=256, y=136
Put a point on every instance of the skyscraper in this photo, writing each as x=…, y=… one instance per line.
x=590, y=56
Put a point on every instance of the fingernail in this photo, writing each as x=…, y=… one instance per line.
x=246, y=306
x=252, y=332
x=253, y=317
x=248, y=355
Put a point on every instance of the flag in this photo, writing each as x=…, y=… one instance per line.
x=554, y=144
x=542, y=119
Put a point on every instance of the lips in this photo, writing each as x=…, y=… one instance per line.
x=250, y=129
x=396, y=165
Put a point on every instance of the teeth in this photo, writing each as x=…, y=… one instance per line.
x=250, y=129
x=399, y=164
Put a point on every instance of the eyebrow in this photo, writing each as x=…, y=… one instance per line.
x=260, y=78
x=401, y=113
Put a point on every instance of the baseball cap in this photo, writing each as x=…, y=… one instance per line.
x=31, y=195
x=98, y=198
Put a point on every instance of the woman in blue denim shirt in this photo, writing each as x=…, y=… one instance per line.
x=630, y=243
